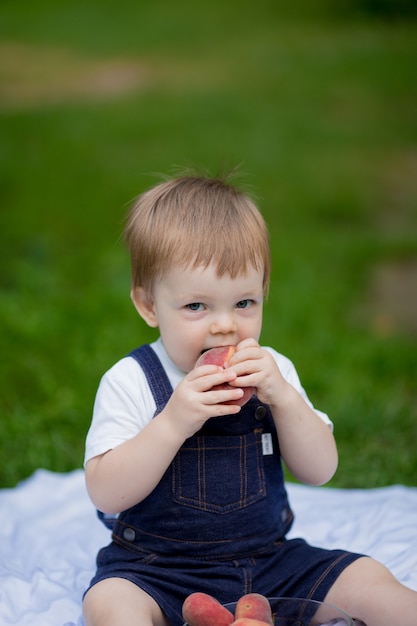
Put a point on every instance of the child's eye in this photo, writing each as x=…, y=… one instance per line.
x=244, y=304
x=195, y=306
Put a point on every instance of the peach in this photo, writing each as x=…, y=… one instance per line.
x=254, y=606
x=221, y=356
x=201, y=609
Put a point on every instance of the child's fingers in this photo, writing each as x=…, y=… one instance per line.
x=207, y=379
x=219, y=394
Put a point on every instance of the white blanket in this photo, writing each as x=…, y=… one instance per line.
x=49, y=537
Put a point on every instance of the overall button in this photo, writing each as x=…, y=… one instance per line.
x=129, y=534
x=260, y=412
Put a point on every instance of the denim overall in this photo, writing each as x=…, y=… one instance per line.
x=217, y=520
x=212, y=499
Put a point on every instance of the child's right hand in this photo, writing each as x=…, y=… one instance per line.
x=195, y=400
x=112, y=477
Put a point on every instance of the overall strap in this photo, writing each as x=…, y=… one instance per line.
x=155, y=375
x=161, y=390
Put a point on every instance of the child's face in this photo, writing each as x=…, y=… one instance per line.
x=196, y=310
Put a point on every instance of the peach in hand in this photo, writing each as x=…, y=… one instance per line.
x=254, y=606
x=201, y=609
x=221, y=356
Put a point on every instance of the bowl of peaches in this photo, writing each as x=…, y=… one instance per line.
x=254, y=609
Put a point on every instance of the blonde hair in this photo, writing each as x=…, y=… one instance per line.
x=193, y=220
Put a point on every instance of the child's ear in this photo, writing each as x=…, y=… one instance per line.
x=144, y=305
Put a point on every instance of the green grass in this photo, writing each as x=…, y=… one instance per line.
x=320, y=111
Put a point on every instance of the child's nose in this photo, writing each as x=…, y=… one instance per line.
x=223, y=324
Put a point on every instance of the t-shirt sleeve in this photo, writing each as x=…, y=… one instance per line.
x=122, y=407
x=290, y=374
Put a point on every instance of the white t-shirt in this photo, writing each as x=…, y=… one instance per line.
x=124, y=404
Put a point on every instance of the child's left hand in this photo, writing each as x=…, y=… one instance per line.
x=306, y=443
x=256, y=367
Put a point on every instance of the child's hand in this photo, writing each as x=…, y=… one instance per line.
x=256, y=367
x=194, y=400
x=306, y=442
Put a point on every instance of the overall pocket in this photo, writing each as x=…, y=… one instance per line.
x=219, y=474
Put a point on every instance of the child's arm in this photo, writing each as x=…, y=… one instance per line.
x=306, y=442
x=126, y=474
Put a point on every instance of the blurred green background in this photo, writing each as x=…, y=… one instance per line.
x=315, y=100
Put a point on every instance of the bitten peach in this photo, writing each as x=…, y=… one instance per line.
x=221, y=356
x=201, y=609
x=254, y=606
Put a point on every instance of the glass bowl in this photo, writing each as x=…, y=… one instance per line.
x=302, y=612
